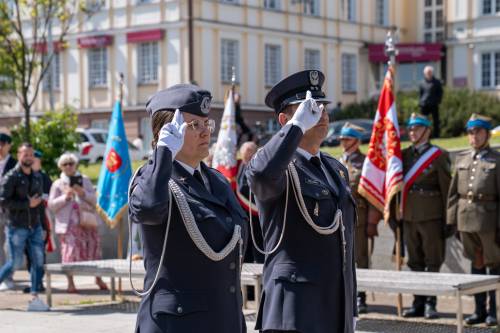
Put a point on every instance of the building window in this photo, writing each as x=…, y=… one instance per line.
x=428, y=3
x=486, y=7
x=312, y=59
x=140, y=2
x=380, y=12
x=490, y=69
x=439, y=2
x=229, y=50
x=348, y=73
x=95, y=5
x=428, y=37
x=311, y=7
x=98, y=67
x=272, y=64
x=490, y=7
x=439, y=18
x=439, y=36
x=102, y=124
x=428, y=19
x=147, y=62
x=56, y=72
x=229, y=1
x=351, y=10
x=272, y=4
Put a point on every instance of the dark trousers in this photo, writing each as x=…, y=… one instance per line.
x=434, y=111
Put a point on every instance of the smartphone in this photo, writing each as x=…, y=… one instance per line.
x=76, y=180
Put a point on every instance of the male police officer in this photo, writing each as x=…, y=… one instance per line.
x=473, y=206
x=427, y=177
x=368, y=216
x=307, y=216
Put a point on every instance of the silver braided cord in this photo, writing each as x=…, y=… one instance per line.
x=163, y=250
x=297, y=190
x=263, y=251
x=195, y=233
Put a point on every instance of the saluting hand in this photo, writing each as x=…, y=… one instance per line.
x=172, y=134
x=307, y=114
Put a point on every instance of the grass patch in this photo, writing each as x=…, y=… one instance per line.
x=93, y=170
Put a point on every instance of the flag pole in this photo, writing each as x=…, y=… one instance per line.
x=391, y=50
x=120, y=224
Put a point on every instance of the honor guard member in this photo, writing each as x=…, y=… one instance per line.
x=427, y=179
x=247, y=150
x=307, y=216
x=191, y=224
x=368, y=216
x=473, y=206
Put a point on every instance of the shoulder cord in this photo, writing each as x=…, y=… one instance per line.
x=337, y=221
x=193, y=231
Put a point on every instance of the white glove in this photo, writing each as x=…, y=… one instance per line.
x=354, y=323
x=172, y=134
x=307, y=114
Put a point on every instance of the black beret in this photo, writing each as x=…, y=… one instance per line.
x=293, y=89
x=185, y=97
x=5, y=138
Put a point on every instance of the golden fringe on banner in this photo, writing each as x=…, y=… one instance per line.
x=112, y=223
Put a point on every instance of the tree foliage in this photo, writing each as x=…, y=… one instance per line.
x=24, y=29
x=53, y=134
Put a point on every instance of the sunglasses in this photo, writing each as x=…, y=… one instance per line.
x=68, y=164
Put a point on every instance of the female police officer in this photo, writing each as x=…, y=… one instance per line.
x=191, y=223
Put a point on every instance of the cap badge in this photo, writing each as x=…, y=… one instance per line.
x=205, y=105
x=314, y=78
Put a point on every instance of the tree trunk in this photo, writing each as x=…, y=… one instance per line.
x=27, y=132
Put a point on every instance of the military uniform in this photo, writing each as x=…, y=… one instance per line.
x=424, y=212
x=194, y=292
x=309, y=282
x=473, y=206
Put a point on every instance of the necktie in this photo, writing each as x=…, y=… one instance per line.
x=316, y=162
x=197, y=175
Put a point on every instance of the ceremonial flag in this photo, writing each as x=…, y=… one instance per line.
x=382, y=174
x=224, y=158
x=115, y=172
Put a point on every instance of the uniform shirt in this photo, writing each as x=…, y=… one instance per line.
x=191, y=170
x=308, y=156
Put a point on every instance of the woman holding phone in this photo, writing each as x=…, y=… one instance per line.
x=192, y=227
x=69, y=197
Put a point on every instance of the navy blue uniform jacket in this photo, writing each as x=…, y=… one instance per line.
x=307, y=286
x=193, y=293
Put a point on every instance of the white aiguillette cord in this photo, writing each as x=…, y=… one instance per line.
x=297, y=190
x=193, y=231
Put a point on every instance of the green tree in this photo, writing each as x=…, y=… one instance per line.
x=53, y=134
x=25, y=27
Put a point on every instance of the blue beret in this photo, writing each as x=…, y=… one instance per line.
x=185, y=97
x=418, y=120
x=293, y=89
x=478, y=121
x=5, y=138
x=348, y=132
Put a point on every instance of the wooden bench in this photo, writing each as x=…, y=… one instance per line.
x=404, y=282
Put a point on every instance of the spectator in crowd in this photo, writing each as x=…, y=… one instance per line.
x=72, y=199
x=431, y=93
x=244, y=129
x=247, y=150
x=46, y=184
x=20, y=196
x=7, y=162
x=139, y=144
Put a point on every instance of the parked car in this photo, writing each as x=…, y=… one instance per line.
x=92, y=145
x=495, y=132
x=332, y=138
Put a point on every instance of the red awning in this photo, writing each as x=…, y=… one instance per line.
x=95, y=41
x=411, y=52
x=145, y=36
x=41, y=47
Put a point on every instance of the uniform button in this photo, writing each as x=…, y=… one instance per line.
x=180, y=309
x=317, y=194
x=473, y=170
x=475, y=162
x=232, y=289
x=282, y=134
x=293, y=277
x=232, y=266
x=229, y=219
x=470, y=185
x=198, y=215
x=471, y=177
x=325, y=192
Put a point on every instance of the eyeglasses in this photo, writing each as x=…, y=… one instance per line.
x=199, y=126
x=68, y=164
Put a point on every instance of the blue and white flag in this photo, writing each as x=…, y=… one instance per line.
x=115, y=173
